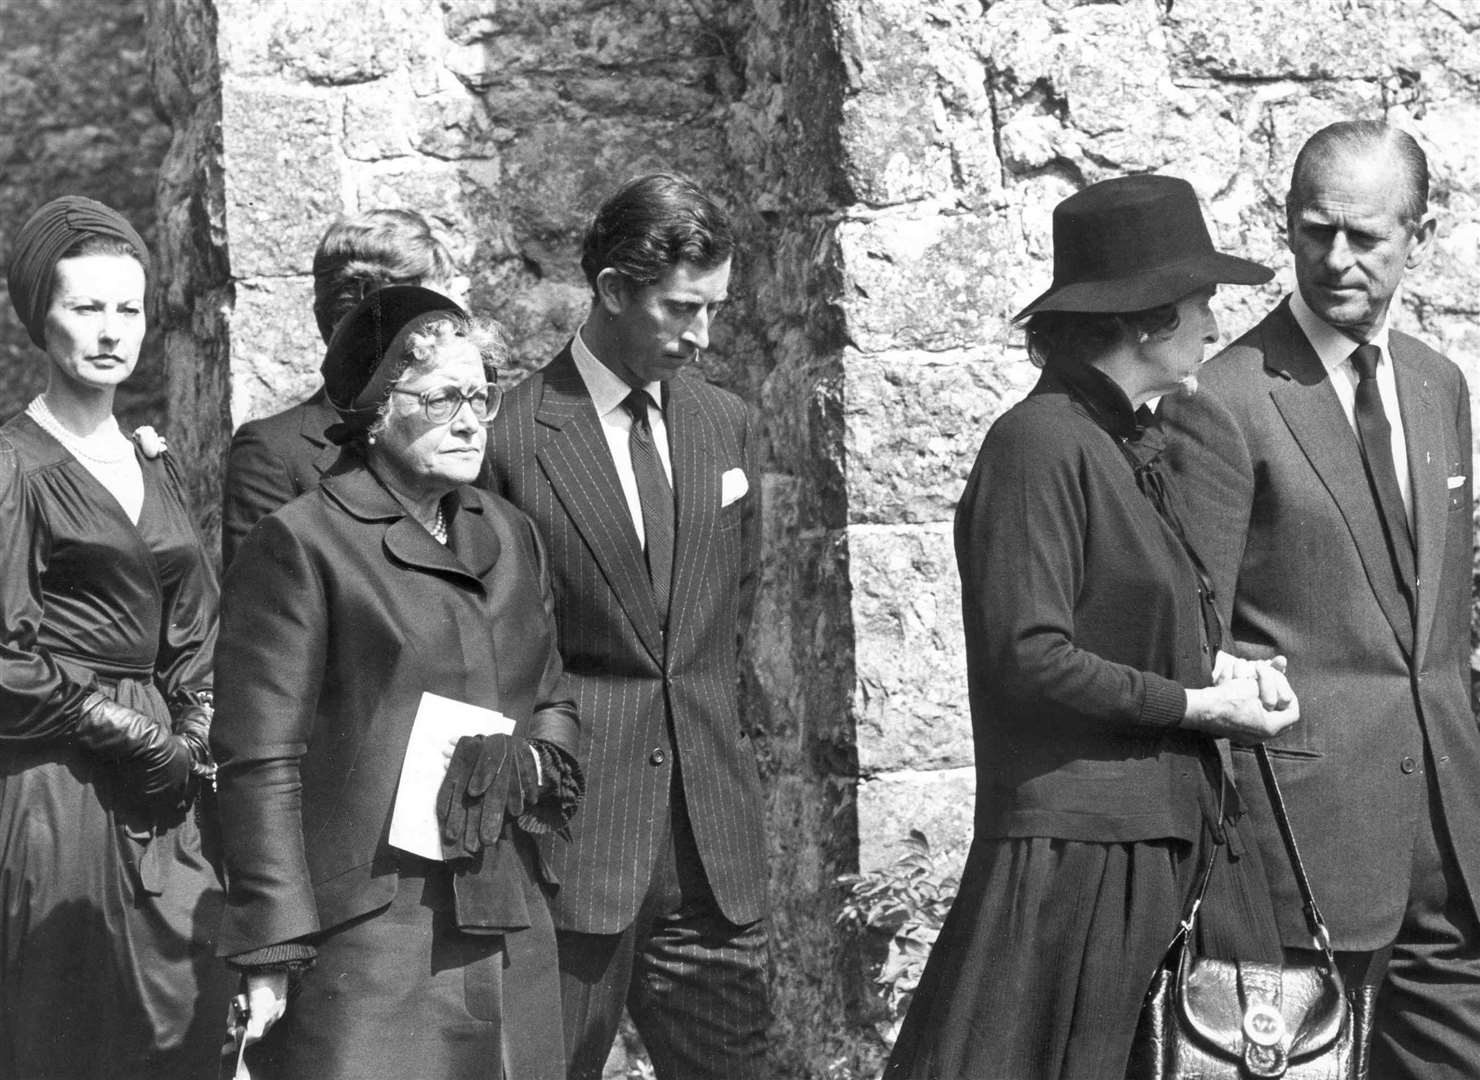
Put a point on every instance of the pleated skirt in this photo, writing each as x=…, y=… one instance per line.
x=1044, y=960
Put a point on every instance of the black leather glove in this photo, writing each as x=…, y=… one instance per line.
x=192, y=713
x=158, y=759
x=491, y=777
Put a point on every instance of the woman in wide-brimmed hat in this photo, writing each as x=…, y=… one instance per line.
x=1097, y=688
x=393, y=591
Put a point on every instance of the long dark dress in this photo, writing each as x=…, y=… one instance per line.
x=1094, y=809
x=107, y=908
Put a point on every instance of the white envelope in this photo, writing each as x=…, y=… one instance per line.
x=439, y=721
x=732, y=485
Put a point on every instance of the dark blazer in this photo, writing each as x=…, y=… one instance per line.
x=271, y=462
x=646, y=707
x=1281, y=511
x=338, y=613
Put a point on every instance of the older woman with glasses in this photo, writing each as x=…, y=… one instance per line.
x=395, y=595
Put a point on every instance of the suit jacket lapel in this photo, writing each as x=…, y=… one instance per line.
x=1310, y=408
x=1428, y=466
x=577, y=460
x=696, y=484
x=316, y=418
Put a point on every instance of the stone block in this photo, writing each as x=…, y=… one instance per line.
x=282, y=177
x=454, y=124
x=909, y=702
x=927, y=279
x=915, y=420
x=332, y=43
x=379, y=120
x=938, y=803
x=896, y=151
x=1320, y=39
x=275, y=346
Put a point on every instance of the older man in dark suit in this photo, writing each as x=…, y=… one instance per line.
x=638, y=477
x=1326, y=460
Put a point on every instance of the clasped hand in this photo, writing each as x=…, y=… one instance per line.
x=1249, y=701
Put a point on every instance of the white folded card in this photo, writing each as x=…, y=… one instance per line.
x=439, y=722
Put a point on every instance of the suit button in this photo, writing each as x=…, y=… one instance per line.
x=1408, y=765
x=658, y=756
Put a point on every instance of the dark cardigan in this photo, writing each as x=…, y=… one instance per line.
x=1083, y=626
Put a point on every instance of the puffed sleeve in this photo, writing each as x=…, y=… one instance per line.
x=39, y=702
x=270, y=663
x=1020, y=536
x=191, y=599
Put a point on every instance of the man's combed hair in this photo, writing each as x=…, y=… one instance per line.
x=364, y=252
x=650, y=225
x=1359, y=138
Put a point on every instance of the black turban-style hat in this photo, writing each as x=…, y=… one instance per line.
x=357, y=376
x=45, y=239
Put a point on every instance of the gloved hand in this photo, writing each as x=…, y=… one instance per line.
x=192, y=723
x=490, y=777
x=158, y=759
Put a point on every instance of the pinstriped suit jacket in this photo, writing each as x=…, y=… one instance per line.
x=645, y=709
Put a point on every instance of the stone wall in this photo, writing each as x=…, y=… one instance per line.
x=969, y=120
x=76, y=118
x=893, y=165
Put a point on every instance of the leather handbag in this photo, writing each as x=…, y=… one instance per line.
x=1237, y=1020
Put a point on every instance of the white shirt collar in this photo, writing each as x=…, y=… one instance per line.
x=1332, y=346
x=606, y=388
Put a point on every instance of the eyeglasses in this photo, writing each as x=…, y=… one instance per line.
x=441, y=403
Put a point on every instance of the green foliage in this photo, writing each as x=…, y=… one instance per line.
x=906, y=901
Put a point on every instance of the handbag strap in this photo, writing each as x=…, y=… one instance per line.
x=1313, y=918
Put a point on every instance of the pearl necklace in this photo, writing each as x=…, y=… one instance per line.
x=438, y=527
x=106, y=446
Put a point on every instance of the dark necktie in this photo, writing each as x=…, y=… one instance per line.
x=1376, y=437
x=656, y=498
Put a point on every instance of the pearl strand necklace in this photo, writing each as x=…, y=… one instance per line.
x=106, y=446
x=438, y=527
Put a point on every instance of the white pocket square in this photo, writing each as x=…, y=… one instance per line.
x=1456, y=482
x=732, y=485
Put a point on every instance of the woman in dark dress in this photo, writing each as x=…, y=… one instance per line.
x=1097, y=689
x=108, y=606
x=342, y=612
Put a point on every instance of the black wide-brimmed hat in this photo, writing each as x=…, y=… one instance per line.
x=357, y=377
x=1132, y=243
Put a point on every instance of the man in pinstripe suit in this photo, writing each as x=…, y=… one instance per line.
x=637, y=475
